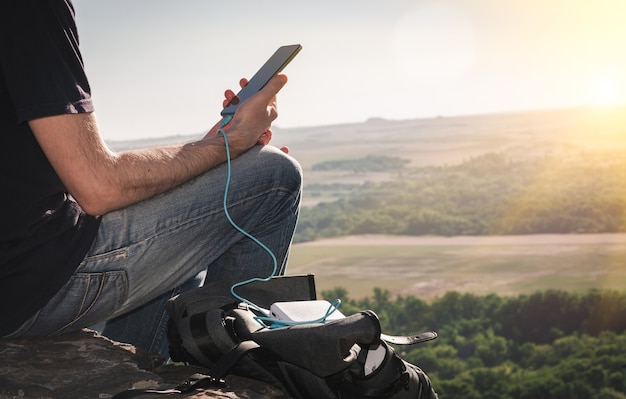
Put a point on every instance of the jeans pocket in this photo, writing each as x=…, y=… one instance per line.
x=85, y=300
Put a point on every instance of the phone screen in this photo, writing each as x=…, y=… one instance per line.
x=274, y=65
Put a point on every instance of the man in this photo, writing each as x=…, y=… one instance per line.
x=87, y=234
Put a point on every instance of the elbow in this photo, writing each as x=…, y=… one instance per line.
x=97, y=191
x=96, y=202
x=93, y=209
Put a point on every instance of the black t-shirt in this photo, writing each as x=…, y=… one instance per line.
x=44, y=234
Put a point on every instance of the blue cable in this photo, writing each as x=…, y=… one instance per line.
x=225, y=121
x=275, y=323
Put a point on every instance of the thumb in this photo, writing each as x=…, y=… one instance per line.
x=266, y=97
x=273, y=86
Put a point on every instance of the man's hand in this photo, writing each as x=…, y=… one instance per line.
x=245, y=119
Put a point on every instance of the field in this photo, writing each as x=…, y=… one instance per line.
x=428, y=267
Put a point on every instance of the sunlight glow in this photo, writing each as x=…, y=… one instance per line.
x=606, y=90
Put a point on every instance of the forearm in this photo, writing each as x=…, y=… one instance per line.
x=136, y=175
x=140, y=174
x=101, y=180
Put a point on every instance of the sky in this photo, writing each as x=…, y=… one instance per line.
x=159, y=68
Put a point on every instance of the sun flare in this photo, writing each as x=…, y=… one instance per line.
x=606, y=90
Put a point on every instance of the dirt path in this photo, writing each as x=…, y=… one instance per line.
x=535, y=239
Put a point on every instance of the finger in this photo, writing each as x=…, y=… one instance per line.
x=265, y=138
x=285, y=149
x=243, y=82
x=228, y=95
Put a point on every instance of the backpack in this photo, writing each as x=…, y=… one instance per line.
x=340, y=357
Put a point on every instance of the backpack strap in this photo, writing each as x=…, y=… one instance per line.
x=223, y=366
x=215, y=378
x=190, y=384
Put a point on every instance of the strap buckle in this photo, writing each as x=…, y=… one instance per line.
x=409, y=339
x=199, y=381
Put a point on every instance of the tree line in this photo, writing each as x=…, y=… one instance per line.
x=370, y=163
x=491, y=194
x=551, y=344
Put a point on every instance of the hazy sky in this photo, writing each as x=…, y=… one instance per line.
x=160, y=67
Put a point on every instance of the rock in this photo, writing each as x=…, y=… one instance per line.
x=86, y=365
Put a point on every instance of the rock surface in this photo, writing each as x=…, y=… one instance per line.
x=86, y=365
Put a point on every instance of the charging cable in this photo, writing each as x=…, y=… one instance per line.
x=274, y=323
x=221, y=131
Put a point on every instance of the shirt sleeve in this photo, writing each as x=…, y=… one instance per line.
x=41, y=60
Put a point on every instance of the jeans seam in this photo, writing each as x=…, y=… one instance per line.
x=82, y=304
x=82, y=312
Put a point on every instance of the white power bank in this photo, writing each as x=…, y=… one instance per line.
x=303, y=311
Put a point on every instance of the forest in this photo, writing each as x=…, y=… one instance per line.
x=552, y=344
x=491, y=194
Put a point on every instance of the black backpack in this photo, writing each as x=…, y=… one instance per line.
x=326, y=359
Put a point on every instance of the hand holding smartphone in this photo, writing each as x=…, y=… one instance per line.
x=273, y=66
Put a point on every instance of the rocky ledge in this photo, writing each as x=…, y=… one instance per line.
x=86, y=365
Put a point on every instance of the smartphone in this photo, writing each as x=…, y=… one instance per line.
x=274, y=65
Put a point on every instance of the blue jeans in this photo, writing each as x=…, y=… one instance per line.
x=147, y=252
